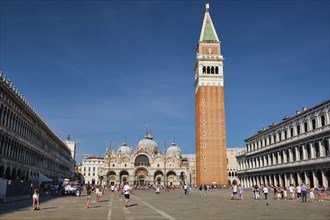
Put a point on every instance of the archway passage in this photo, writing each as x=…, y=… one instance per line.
x=158, y=177
x=111, y=177
x=141, y=176
x=123, y=177
x=171, y=178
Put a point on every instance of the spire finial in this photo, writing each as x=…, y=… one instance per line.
x=207, y=6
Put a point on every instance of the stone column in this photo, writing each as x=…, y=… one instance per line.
x=281, y=180
x=315, y=180
x=266, y=180
x=324, y=179
x=312, y=149
x=274, y=159
x=299, y=179
x=279, y=157
x=284, y=157
x=291, y=180
x=306, y=178
x=290, y=155
x=270, y=180
x=286, y=180
x=321, y=149
x=304, y=152
x=275, y=179
x=257, y=180
x=297, y=153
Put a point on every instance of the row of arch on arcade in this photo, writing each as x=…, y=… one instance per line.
x=17, y=174
x=311, y=177
x=142, y=177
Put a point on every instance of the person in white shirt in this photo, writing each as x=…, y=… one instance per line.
x=234, y=190
x=127, y=190
x=298, y=191
x=291, y=190
x=265, y=190
x=113, y=188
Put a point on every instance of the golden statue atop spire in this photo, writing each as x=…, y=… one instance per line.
x=207, y=6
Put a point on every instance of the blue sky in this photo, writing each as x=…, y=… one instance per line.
x=101, y=70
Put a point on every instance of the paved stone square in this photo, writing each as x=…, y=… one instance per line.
x=145, y=204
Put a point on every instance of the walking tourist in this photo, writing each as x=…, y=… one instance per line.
x=201, y=189
x=113, y=188
x=311, y=194
x=291, y=190
x=278, y=191
x=119, y=189
x=285, y=193
x=234, y=190
x=298, y=189
x=88, y=195
x=157, y=189
x=205, y=189
x=127, y=190
x=275, y=191
x=241, y=191
x=256, y=192
x=265, y=190
x=185, y=187
x=303, y=192
x=323, y=195
x=35, y=200
x=97, y=194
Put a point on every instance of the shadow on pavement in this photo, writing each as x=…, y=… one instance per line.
x=22, y=204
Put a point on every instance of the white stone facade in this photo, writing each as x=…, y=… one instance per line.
x=294, y=151
x=72, y=146
x=90, y=168
x=146, y=165
x=232, y=165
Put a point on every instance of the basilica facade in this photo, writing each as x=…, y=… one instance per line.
x=147, y=165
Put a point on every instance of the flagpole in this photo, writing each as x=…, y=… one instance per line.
x=137, y=165
x=109, y=163
x=164, y=163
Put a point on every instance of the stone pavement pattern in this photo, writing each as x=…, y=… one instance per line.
x=145, y=204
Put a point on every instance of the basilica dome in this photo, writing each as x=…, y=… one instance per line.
x=124, y=149
x=173, y=150
x=148, y=145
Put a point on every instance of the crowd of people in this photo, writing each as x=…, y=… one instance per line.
x=299, y=192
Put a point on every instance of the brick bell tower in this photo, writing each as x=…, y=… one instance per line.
x=211, y=157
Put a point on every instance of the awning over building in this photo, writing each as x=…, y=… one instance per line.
x=43, y=178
